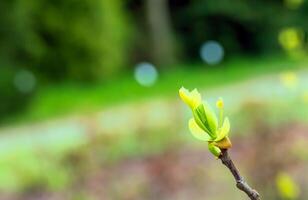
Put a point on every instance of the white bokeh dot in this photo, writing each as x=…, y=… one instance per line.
x=212, y=52
x=24, y=81
x=145, y=74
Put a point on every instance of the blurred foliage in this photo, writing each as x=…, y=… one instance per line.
x=244, y=27
x=78, y=41
x=64, y=39
x=60, y=40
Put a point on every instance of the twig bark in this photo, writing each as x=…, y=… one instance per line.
x=240, y=182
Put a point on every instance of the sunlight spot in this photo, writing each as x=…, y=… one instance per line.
x=291, y=38
x=289, y=79
x=212, y=52
x=146, y=74
x=293, y=4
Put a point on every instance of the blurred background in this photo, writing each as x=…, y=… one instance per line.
x=89, y=105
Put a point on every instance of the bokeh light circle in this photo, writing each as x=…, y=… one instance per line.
x=212, y=52
x=146, y=74
x=24, y=81
x=291, y=38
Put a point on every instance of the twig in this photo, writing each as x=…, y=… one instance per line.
x=240, y=182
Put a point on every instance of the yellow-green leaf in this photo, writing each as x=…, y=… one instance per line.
x=201, y=120
x=192, y=99
x=214, y=150
x=197, y=132
x=224, y=130
x=211, y=117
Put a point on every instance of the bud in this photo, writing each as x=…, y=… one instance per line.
x=224, y=143
x=220, y=103
x=214, y=150
x=204, y=125
x=192, y=99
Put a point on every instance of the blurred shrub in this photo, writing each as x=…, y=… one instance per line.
x=79, y=40
x=57, y=40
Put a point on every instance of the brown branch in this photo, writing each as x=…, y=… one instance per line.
x=240, y=182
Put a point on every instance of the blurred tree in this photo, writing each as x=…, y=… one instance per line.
x=160, y=31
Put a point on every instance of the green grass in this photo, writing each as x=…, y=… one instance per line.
x=67, y=98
